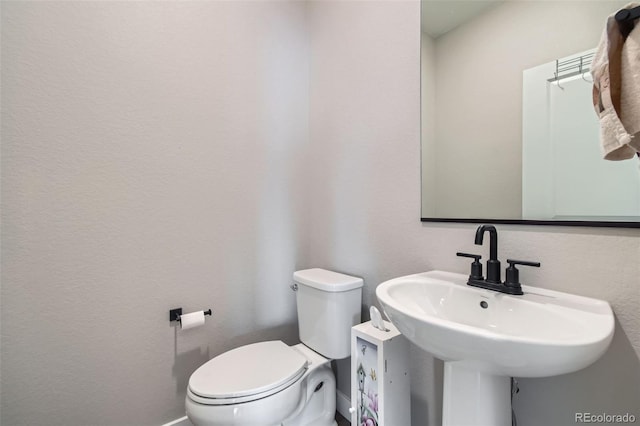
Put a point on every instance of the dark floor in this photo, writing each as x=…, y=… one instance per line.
x=342, y=421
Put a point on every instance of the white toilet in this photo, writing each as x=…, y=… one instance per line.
x=270, y=383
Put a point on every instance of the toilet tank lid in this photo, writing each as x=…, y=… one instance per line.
x=324, y=280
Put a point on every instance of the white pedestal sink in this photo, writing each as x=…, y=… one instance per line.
x=486, y=337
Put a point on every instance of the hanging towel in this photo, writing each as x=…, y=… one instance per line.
x=616, y=90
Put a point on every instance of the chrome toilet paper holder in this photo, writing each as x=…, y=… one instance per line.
x=174, y=314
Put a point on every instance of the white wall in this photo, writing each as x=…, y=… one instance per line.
x=157, y=155
x=150, y=159
x=365, y=135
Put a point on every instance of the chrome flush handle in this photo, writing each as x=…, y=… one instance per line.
x=294, y=287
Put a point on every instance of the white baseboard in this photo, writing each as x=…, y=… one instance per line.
x=182, y=421
x=343, y=403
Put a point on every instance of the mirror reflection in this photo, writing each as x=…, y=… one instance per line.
x=501, y=138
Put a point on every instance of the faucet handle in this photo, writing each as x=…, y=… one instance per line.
x=476, y=266
x=477, y=257
x=512, y=280
x=512, y=262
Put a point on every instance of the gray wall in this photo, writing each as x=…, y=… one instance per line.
x=150, y=159
x=428, y=141
x=195, y=154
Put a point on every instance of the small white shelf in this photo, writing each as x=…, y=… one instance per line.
x=380, y=386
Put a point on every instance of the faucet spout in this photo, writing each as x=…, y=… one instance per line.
x=493, y=264
x=493, y=239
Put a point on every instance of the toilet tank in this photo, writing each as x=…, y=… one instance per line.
x=328, y=306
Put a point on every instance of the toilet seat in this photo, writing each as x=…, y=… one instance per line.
x=247, y=373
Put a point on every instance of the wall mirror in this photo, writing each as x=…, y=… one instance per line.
x=509, y=134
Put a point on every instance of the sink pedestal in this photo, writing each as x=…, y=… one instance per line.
x=471, y=397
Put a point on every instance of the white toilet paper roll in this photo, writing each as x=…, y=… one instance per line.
x=191, y=320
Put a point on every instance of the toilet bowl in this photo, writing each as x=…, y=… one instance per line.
x=277, y=397
x=270, y=383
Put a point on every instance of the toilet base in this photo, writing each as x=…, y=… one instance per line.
x=318, y=408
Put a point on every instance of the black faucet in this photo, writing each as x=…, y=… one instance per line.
x=493, y=281
x=493, y=264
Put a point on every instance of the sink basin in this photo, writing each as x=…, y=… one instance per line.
x=485, y=337
x=541, y=333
